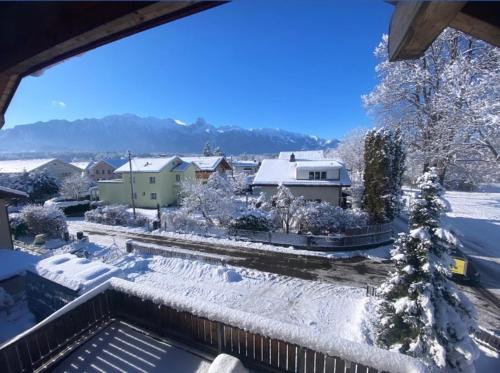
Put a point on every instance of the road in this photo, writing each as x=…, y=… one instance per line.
x=357, y=271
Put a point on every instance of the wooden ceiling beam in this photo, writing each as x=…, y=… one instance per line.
x=415, y=24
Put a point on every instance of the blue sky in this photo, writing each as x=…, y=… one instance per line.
x=296, y=65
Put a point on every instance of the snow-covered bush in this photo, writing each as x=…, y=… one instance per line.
x=181, y=221
x=75, y=186
x=325, y=218
x=18, y=225
x=421, y=312
x=240, y=183
x=115, y=215
x=213, y=200
x=49, y=220
x=6, y=300
x=254, y=220
x=38, y=184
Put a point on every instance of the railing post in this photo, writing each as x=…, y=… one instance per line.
x=220, y=336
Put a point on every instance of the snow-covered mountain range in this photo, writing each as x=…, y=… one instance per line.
x=131, y=132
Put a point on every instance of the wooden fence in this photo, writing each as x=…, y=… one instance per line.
x=43, y=347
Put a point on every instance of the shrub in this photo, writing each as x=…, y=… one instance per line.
x=17, y=224
x=181, y=221
x=324, y=218
x=115, y=215
x=253, y=220
x=49, y=220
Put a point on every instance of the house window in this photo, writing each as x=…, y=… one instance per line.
x=152, y=180
x=311, y=175
x=97, y=172
x=178, y=178
x=153, y=195
x=323, y=175
x=317, y=175
x=109, y=172
x=143, y=194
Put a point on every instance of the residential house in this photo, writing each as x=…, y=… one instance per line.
x=97, y=170
x=208, y=165
x=54, y=167
x=155, y=181
x=245, y=167
x=316, y=180
x=7, y=194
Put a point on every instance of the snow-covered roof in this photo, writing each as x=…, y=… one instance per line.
x=15, y=262
x=205, y=163
x=303, y=155
x=82, y=165
x=75, y=273
x=183, y=166
x=244, y=163
x=18, y=166
x=11, y=193
x=146, y=164
x=280, y=171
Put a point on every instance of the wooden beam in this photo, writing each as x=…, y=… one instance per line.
x=415, y=25
x=481, y=20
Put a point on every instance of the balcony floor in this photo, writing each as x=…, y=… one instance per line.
x=122, y=348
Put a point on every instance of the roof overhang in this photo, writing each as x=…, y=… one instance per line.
x=36, y=35
x=416, y=24
x=8, y=193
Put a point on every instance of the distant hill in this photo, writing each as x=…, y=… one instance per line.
x=117, y=133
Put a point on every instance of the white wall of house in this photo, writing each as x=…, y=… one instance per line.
x=5, y=237
x=59, y=169
x=328, y=193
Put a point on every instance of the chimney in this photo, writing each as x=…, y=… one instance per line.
x=292, y=157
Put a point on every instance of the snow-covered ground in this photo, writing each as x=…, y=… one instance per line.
x=321, y=307
x=475, y=217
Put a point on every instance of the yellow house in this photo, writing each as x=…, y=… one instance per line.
x=155, y=181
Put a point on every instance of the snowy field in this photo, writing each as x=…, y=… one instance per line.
x=475, y=217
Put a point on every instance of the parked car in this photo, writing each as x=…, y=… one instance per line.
x=70, y=207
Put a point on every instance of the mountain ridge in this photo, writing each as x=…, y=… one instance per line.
x=121, y=132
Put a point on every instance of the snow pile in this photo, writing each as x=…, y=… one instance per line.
x=224, y=363
x=14, y=262
x=76, y=273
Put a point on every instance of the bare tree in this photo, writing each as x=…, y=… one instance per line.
x=75, y=186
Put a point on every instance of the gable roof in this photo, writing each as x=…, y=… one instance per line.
x=18, y=166
x=84, y=165
x=146, y=164
x=6, y=193
x=303, y=155
x=206, y=163
x=280, y=171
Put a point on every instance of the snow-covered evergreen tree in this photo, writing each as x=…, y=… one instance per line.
x=422, y=314
x=218, y=151
x=39, y=185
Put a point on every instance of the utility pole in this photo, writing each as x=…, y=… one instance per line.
x=131, y=182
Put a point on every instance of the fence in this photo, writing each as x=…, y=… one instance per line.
x=43, y=346
x=355, y=238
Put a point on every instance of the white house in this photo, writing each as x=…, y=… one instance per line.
x=315, y=180
x=54, y=167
